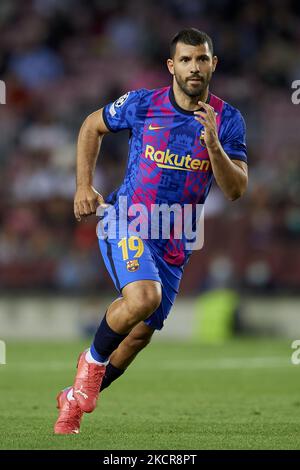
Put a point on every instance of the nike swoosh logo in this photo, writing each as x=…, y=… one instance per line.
x=155, y=128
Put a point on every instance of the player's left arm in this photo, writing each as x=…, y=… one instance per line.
x=231, y=175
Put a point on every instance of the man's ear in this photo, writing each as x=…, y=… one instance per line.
x=214, y=61
x=170, y=65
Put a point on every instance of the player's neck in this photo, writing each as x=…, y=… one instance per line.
x=188, y=103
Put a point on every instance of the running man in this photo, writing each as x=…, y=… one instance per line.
x=180, y=137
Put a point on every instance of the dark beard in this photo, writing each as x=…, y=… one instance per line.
x=192, y=93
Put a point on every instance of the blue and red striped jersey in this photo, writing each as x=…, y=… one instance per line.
x=168, y=162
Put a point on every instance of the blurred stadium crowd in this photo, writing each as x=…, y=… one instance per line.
x=62, y=60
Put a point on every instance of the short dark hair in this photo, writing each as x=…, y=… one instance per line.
x=193, y=37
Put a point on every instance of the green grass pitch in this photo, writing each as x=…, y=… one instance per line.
x=244, y=394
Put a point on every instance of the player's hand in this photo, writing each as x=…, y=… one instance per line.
x=86, y=201
x=207, y=118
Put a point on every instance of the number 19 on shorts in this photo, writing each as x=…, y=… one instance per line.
x=133, y=245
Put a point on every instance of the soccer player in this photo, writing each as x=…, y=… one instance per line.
x=180, y=137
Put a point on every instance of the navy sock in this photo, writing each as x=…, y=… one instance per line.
x=105, y=342
x=112, y=373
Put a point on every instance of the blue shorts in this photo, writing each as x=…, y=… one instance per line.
x=132, y=259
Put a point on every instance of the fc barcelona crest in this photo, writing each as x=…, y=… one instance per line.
x=132, y=265
x=202, y=141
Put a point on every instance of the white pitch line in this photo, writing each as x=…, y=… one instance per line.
x=195, y=364
x=38, y=366
x=228, y=363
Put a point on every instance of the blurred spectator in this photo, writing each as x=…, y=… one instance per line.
x=63, y=60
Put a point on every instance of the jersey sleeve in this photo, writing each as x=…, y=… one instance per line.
x=121, y=113
x=234, y=137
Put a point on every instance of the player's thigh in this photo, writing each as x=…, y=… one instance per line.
x=170, y=281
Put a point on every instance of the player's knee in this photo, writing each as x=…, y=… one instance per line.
x=137, y=344
x=144, y=302
x=138, y=341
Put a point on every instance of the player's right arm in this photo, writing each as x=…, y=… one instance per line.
x=114, y=117
x=90, y=137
